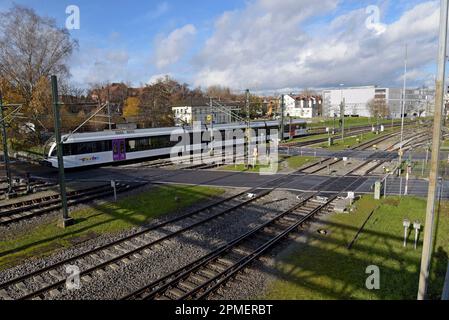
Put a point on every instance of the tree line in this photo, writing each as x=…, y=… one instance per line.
x=32, y=48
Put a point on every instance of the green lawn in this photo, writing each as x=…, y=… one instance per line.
x=308, y=138
x=350, y=121
x=296, y=162
x=445, y=144
x=108, y=218
x=326, y=269
x=352, y=141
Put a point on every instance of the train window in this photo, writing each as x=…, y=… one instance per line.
x=162, y=142
x=131, y=145
x=143, y=144
x=66, y=149
x=86, y=147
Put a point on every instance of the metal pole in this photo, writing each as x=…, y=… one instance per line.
x=433, y=176
x=403, y=104
x=5, y=147
x=282, y=117
x=109, y=111
x=66, y=220
x=342, y=115
x=248, y=119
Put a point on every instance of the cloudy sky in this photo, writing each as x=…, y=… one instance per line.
x=263, y=45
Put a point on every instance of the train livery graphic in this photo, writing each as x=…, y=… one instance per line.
x=118, y=146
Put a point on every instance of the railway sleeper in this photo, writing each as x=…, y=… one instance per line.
x=97, y=258
x=222, y=263
x=38, y=279
x=207, y=273
x=186, y=285
x=175, y=293
x=125, y=261
x=4, y=295
x=197, y=278
x=54, y=293
x=217, y=267
x=225, y=261
x=22, y=288
x=114, y=266
x=162, y=297
x=55, y=274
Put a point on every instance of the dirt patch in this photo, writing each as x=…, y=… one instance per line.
x=391, y=202
x=83, y=238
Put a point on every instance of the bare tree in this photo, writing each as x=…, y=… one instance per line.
x=378, y=107
x=32, y=47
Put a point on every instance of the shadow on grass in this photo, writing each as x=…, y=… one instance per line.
x=325, y=269
x=125, y=213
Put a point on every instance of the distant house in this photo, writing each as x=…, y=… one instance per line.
x=302, y=106
x=203, y=113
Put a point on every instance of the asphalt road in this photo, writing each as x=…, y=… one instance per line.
x=300, y=182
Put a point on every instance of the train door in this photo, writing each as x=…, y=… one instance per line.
x=118, y=150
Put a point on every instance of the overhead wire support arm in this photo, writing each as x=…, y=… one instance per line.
x=86, y=121
x=12, y=114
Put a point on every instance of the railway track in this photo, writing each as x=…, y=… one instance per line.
x=207, y=274
x=50, y=281
x=358, y=130
x=33, y=187
x=327, y=162
x=47, y=282
x=17, y=211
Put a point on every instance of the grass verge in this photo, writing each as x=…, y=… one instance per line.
x=296, y=162
x=102, y=219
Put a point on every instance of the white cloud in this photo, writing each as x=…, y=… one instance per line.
x=173, y=47
x=95, y=65
x=265, y=46
x=160, y=10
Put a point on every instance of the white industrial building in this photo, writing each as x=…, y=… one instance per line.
x=418, y=102
x=356, y=101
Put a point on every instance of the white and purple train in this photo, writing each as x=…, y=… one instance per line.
x=119, y=146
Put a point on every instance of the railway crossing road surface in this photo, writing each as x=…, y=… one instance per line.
x=356, y=154
x=299, y=182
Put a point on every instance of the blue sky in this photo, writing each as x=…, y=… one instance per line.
x=259, y=44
